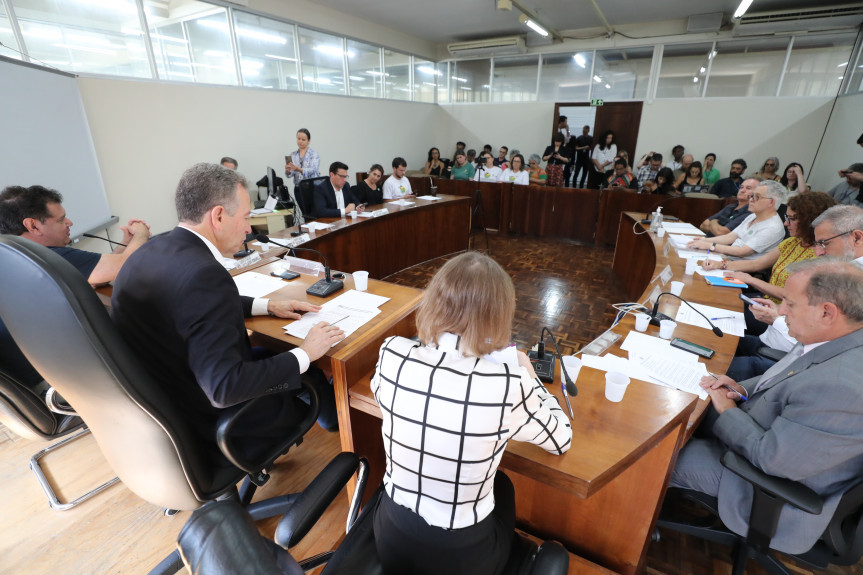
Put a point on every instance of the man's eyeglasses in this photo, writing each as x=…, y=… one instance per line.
x=823, y=243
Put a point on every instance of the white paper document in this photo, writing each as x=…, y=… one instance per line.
x=682, y=228
x=348, y=319
x=268, y=207
x=253, y=284
x=429, y=198
x=358, y=299
x=678, y=240
x=709, y=273
x=403, y=202
x=683, y=376
x=312, y=226
x=698, y=255
x=609, y=362
x=640, y=344
x=730, y=322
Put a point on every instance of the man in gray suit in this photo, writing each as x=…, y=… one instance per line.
x=802, y=417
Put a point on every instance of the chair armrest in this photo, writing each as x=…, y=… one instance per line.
x=315, y=499
x=791, y=492
x=225, y=426
x=57, y=404
x=771, y=353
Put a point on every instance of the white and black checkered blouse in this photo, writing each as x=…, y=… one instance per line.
x=446, y=422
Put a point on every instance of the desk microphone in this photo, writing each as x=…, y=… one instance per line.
x=546, y=366
x=112, y=242
x=321, y=288
x=245, y=251
x=655, y=316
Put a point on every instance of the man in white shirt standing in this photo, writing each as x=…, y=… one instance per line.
x=397, y=186
x=759, y=233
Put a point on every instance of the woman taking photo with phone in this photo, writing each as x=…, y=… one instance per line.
x=450, y=403
x=304, y=162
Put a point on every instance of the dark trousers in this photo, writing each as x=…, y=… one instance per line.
x=583, y=166
x=747, y=363
x=407, y=544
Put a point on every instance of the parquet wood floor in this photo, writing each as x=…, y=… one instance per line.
x=565, y=286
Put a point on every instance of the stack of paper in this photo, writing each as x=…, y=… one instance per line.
x=403, y=202
x=312, y=226
x=682, y=228
x=730, y=322
x=350, y=311
x=253, y=284
x=429, y=198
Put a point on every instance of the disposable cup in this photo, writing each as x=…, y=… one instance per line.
x=691, y=265
x=676, y=288
x=666, y=328
x=660, y=232
x=361, y=281
x=615, y=385
x=352, y=213
x=642, y=320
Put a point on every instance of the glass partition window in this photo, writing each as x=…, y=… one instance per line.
x=746, y=68
x=267, y=56
x=364, y=70
x=469, y=81
x=191, y=42
x=82, y=36
x=323, y=61
x=425, y=80
x=683, y=70
x=855, y=69
x=7, y=37
x=565, y=77
x=622, y=74
x=515, y=79
x=442, y=71
x=397, y=77
x=817, y=65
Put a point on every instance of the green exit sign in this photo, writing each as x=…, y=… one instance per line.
x=597, y=102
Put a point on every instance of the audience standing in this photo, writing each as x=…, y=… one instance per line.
x=555, y=158
x=603, y=155
x=304, y=162
x=583, y=165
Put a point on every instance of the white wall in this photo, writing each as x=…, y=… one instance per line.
x=147, y=133
x=839, y=149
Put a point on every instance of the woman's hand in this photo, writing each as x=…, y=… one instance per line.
x=524, y=361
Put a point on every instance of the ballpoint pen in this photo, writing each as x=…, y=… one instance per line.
x=722, y=317
x=743, y=397
x=566, y=397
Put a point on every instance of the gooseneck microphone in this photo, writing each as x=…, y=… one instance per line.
x=655, y=316
x=245, y=251
x=321, y=288
x=112, y=242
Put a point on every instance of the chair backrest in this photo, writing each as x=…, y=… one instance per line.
x=65, y=332
x=305, y=194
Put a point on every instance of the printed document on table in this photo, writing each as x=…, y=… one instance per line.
x=709, y=273
x=678, y=240
x=609, y=362
x=682, y=228
x=358, y=299
x=253, y=284
x=312, y=226
x=641, y=344
x=429, y=198
x=730, y=322
x=403, y=202
x=348, y=319
x=683, y=376
x=698, y=255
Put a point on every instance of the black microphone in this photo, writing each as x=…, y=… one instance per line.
x=321, y=288
x=245, y=251
x=103, y=239
x=569, y=384
x=655, y=316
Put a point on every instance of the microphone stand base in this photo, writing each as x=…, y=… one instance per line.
x=659, y=317
x=243, y=253
x=323, y=288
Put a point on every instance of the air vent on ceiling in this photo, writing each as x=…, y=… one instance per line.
x=809, y=19
x=488, y=47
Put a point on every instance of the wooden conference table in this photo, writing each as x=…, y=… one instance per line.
x=601, y=499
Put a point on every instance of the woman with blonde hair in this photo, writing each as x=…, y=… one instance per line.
x=450, y=403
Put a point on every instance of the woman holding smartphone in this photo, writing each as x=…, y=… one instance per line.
x=304, y=162
x=450, y=403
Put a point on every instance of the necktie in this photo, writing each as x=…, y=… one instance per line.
x=779, y=367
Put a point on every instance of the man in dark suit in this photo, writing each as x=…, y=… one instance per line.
x=179, y=308
x=333, y=197
x=801, y=418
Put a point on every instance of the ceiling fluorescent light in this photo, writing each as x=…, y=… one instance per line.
x=741, y=10
x=536, y=28
x=286, y=59
x=579, y=59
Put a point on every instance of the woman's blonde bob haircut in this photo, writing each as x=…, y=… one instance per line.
x=471, y=296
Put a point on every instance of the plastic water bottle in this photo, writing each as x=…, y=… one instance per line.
x=656, y=219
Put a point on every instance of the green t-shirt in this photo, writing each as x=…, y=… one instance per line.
x=711, y=176
x=463, y=172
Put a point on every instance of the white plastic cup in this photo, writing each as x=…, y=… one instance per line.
x=666, y=328
x=677, y=288
x=353, y=214
x=642, y=320
x=361, y=281
x=691, y=265
x=660, y=232
x=615, y=385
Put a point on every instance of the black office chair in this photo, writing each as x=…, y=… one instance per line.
x=305, y=196
x=219, y=539
x=840, y=544
x=143, y=434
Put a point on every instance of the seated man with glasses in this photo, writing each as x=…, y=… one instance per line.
x=333, y=197
x=759, y=233
x=839, y=233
